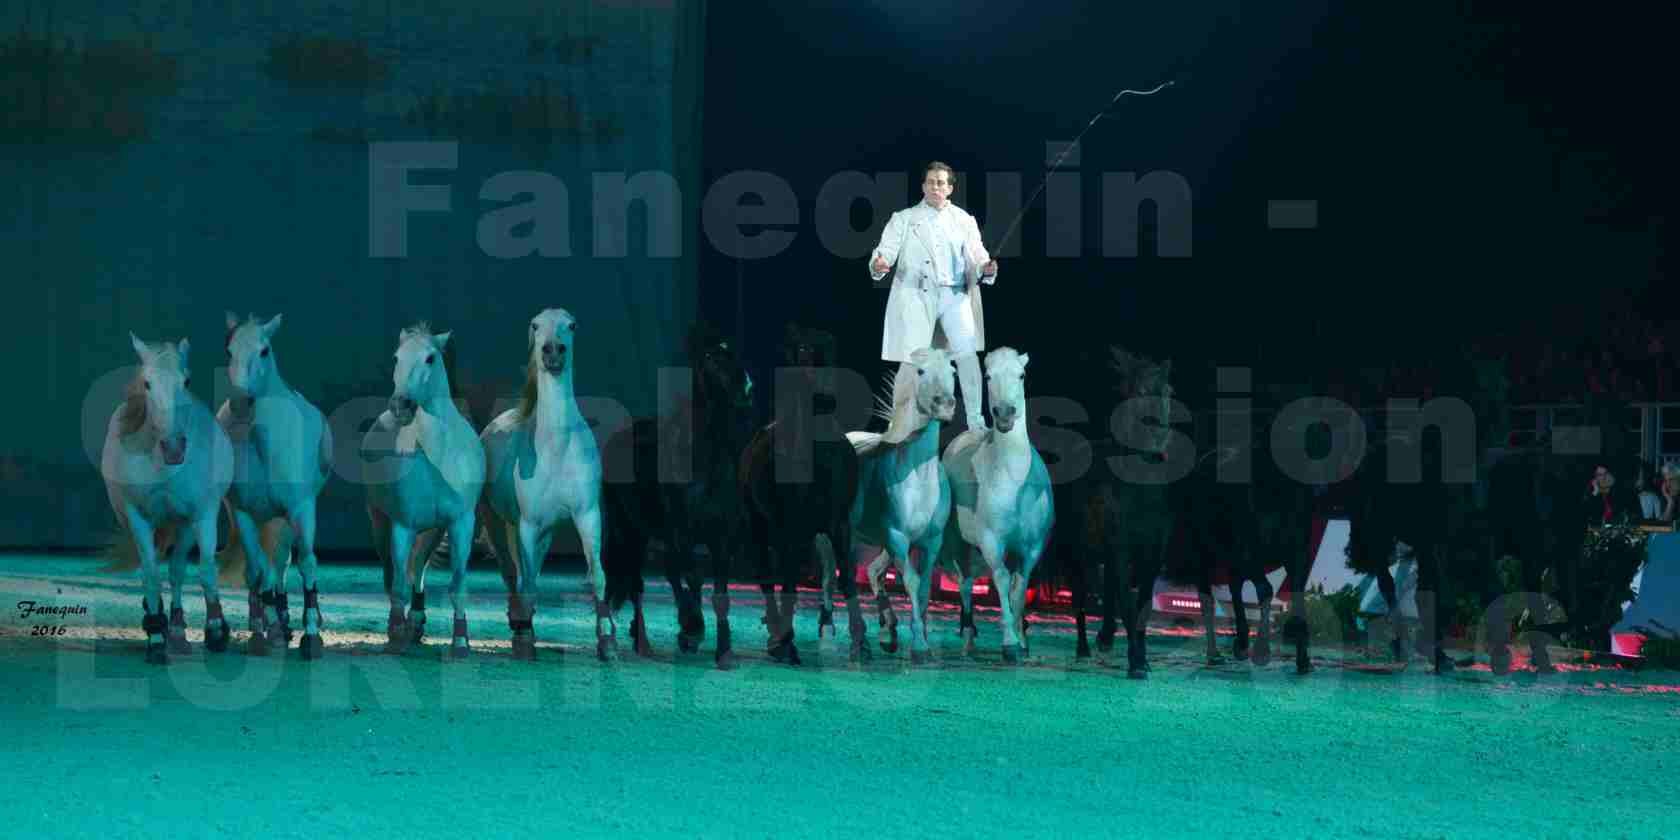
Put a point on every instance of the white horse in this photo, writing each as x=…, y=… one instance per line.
x=544, y=469
x=166, y=466
x=430, y=478
x=1003, y=506
x=904, y=496
x=282, y=456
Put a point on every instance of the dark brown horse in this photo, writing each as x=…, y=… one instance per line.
x=682, y=494
x=797, y=484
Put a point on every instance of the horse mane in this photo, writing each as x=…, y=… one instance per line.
x=828, y=349
x=132, y=415
x=420, y=328
x=528, y=393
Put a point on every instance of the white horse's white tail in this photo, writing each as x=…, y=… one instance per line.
x=864, y=443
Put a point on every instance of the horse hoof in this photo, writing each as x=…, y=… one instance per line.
x=1083, y=651
x=396, y=647
x=725, y=660
x=1012, y=654
x=310, y=647
x=1137, y=673
x=417, y=633
x=156, y=654
x=279, y=637
x=1444, y=664
x=1239, y=653
x=782, y=650
x=524, y=647
x=1215, y=660
x=1499, y=660
x=1303, y=668
x=1104, y=646
x=861, y=652
x=920, y=657
x=825, y=624
x=1262, y=654
x=687, y=643
x=889, y=642
x=216, y=637
x=178, y=645
x=460, y=651
x=606, y=648
x=257, y=645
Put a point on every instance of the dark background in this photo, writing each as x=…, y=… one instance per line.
x=1482, y=172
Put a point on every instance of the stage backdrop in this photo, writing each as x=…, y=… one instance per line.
x=166, y=160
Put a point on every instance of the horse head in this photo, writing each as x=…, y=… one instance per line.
x=719, y=372
x=936, y=383
x=807, y=347
x=1006, y=386
x=158, y=396
x=419, y=378
x=1146, y=395
x=550, y=342
x=251, y=363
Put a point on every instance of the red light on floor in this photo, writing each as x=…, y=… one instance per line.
x=1627, y=644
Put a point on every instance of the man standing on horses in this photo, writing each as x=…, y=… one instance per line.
x=940, y=263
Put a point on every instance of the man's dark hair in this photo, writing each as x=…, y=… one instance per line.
x=940, y=166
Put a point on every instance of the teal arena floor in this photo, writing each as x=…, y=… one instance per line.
x=97, y=743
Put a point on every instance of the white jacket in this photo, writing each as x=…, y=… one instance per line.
x=912, y=243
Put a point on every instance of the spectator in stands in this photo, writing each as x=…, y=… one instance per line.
x=1606, y=501
x=1670, y=493
x=1650, y=503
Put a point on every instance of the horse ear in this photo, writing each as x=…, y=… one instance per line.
x=442, y=338
x=232, y=319
x=272, y=325
x=182, y=349
x=1024, y=359
x=140, y=346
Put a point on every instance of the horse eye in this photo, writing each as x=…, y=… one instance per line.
x=148, y=384
x=265, y=352
x=429, y=358
x=187, y=383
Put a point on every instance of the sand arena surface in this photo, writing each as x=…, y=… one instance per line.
x=97, y=743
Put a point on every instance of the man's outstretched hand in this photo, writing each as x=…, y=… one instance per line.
x=989, y=269
x=880, y=265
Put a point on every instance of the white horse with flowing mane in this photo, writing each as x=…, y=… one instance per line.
x=544, y=469
x=430, y=477
x=282, y=457
x=1003, y=506
x=904, y=496
x=166, y=465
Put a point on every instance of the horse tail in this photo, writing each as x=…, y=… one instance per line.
x=863, y=443
x=231, y=560
x=121, y=554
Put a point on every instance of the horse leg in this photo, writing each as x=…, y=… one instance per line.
x=886, y=619
x=278, y=542
x=760, y=549
x=1029, y=562
x=591, y=535
x=303, y=532
x=1263, y=593
x=991, y=551
x=533, y=550
x=177, y=639
x=1124, y=602
x=460, y=551
x=1431, y=580
x=1113, y=586
x=1081, y=595
x=151, y=601
x=215, y=624
x=256, y=578
x=965, y=588
x=397, y=633
x=720, y=549
x=1396, y=622
x=847, y=578
x=790, y=559
x=679, y=563
x=824, y=547
x=914, y=575
x=426, y=544
x=1533, y=572
x=1210, y=624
